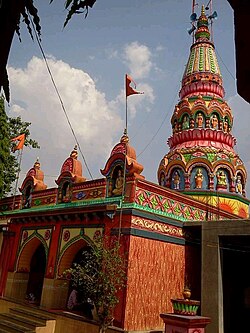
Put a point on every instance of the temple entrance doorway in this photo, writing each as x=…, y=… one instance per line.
x=235, y=258
x=81, y=295
x=80, y=259
x=36, y=275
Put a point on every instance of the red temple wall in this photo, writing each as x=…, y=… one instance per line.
x=155, y=275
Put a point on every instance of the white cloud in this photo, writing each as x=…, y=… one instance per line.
x=138, y=60
x=17, y=109
x=112, y=54
x=95, y=122
x=160, y=48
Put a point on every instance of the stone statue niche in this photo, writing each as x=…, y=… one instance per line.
x=185, y=122
x=177, y=180
x=214, y=121
x=199, y=120
x=65, y=192
x=199, y=178
x=162, y=179
x=238, y=184
x=175, y=126
x=226, y=126
x=116, y=182
x=222, y=180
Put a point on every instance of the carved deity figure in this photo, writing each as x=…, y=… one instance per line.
x=118, y=184
x=162, y=180
x=199, y=120
x=198, y=178
x=221, y=178
x=238, y=184
x=214, y=121
x=185, y=123
x=225, y=126
x=176, y=180
x=175, y=127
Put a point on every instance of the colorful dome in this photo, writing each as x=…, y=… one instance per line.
x=202, y=74
x=202, y=155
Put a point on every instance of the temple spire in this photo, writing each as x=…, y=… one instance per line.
x=202, y=154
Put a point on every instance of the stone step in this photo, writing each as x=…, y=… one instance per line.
x=37, y=311
x=27, y=323
x=37, y=316
x=10, y=327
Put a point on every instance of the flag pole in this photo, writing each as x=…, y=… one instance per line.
x=126, y=115
x=20, y=154
x=125, y=154
x=211, y=10
x=193, y=6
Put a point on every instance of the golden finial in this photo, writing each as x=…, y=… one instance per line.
x=124, y=138
x=37, y=163
x=202, y=10
x=74, y=153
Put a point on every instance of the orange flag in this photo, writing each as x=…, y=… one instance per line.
x=129, y=89
x=20, y=138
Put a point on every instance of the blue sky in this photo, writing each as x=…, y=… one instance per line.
x=147, y=39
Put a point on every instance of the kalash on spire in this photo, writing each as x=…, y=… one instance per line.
x=202, y=161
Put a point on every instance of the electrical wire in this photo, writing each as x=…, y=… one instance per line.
x=59, y=96
x=159, y=128
x=225, y=65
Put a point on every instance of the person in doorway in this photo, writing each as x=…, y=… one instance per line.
x=88, y=307
x=73, y=303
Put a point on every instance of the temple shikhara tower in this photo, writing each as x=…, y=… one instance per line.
x=202, y=161
x=172, y=233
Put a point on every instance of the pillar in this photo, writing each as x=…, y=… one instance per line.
x=175, y=323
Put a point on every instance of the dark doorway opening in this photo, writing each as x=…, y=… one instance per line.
x=235, y=259
x=78, y=298
x=36, y=276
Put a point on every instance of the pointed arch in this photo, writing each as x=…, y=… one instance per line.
x=201, y=162
x=27, y=250
x=69, y=252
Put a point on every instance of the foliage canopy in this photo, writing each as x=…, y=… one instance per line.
x=10, y=128
x=99, y=276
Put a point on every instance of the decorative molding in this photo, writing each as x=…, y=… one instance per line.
x=157, y=227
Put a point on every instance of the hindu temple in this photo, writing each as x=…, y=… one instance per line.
x=202, y=161
x=173, y=233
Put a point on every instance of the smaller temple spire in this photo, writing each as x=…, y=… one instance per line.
x=202, y=33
